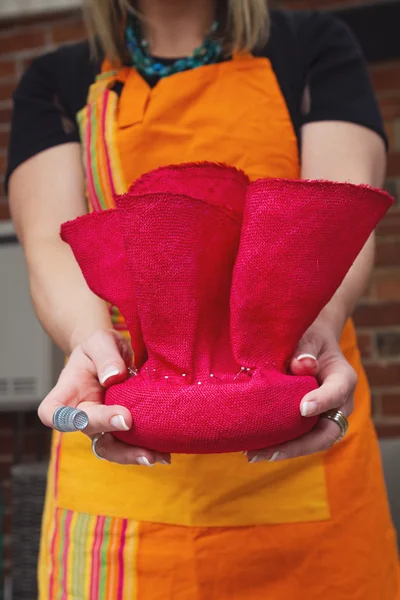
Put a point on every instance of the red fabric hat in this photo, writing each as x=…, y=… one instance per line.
x=218, y=279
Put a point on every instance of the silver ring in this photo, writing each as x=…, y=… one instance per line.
x=67, y=419
x=94, y=443
x=337, y=417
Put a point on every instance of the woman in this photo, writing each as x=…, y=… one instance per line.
x=308, y=519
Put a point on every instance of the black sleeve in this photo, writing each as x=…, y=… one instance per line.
x=336, y=80
x=46, y=101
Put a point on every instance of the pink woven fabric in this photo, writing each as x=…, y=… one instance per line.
x=218, y=279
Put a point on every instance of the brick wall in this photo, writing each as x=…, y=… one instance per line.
x=20, y=41
x=378, y=314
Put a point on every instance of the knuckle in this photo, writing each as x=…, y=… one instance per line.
x=98, y=337
x=98, y=418
x=97, y=341
x=343, y=389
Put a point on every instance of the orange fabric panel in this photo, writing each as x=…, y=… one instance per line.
x=281, y=562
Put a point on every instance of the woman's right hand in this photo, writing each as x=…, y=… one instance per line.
x=102, y=360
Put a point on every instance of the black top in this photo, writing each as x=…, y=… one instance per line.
x=308, y=50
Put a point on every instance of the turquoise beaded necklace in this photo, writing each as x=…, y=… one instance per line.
x=208, y=53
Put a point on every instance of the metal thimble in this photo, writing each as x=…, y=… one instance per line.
x=67, y=419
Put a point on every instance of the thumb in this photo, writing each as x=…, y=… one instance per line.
x=110, y=356
x=305, y=361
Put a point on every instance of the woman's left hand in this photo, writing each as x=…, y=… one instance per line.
x=317, y=354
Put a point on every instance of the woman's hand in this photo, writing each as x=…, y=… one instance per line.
x=318, y=354
x=102, y=360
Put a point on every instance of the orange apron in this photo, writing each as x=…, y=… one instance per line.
x=211, y=527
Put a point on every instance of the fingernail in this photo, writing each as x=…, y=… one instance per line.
x=118, y=422
x=275, y=456
x=163, y=462
x=142, y=460
x=302, y=356
x=257, y=458
x=110, y=372
x=309, y=408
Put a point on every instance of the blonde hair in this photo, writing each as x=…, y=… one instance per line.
x=246, y=25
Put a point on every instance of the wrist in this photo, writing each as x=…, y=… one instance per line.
x=333, y=317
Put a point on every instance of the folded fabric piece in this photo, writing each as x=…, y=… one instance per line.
x=218, y=279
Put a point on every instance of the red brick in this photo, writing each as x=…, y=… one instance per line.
x=387, y=430
x=5, y=115
x=388, y=344
x=391, y=404
x=4, y=212
x=21, y=41
x=393, y=164
x=365, y=344
x=385, y=314
x=380, y=375
x=388, y=252
x=69, y=32
x=7, y=68
x=387, y=284
x=390, y=224
x=392, y=187
x=4, y=138
x=390, y=105
x=375, y=404
x=6, y=90
x=384, y=76
x=40, y=19
x=390, y=132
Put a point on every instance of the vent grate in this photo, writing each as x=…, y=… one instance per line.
x=26, y=386
x=4, y=383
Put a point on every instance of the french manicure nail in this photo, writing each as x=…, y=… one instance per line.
x=118, y=422
x=257, y=458
x=164, y=462
x=142, y=460
x=110, y=372
x=309, y=408
x=303, y=356
x=274, y=457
